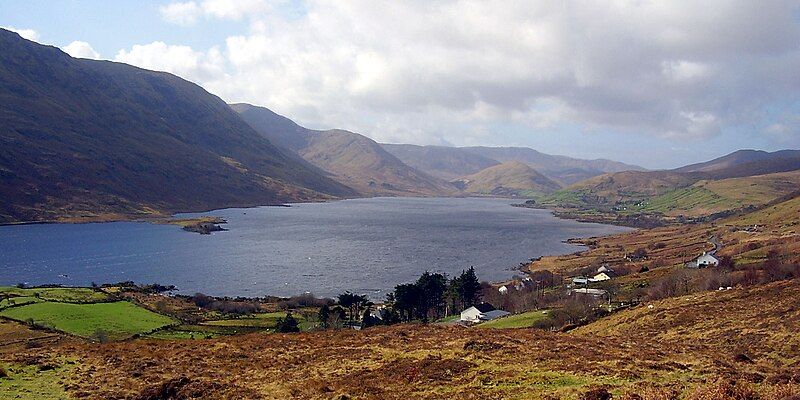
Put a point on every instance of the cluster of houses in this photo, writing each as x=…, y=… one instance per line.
x=604, y=273
x=518, y=285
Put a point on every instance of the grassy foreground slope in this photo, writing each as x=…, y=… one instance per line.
x=680, y=345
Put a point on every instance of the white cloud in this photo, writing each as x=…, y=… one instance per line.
x=79, y=49
x=181, y=13
x=180, y=60
x=447, y=71
x=188, y=13
x=29, y=34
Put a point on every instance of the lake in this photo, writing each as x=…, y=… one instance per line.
x=363, y=245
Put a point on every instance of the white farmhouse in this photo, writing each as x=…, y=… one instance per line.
x=601, y=277
x=482, y=312
x=704, y=261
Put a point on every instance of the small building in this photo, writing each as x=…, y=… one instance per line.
x=503, y=289
x=704, y=261
x=482, y=312
x=590, y=292
x=603, y=276
x=581, y=280
x=604, y=268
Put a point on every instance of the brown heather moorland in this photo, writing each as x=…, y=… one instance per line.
x=742, y=342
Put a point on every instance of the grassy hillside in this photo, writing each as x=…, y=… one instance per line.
x=708, y=197
x=511, y=178
x=86, y=138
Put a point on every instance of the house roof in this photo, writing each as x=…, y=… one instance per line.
x=495, y=314
x=484, y=307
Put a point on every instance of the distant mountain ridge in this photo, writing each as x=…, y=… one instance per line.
x=454, y=162
x=737, y=158
x=82, y=138
x=354, y=160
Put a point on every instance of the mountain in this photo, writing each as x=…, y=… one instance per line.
x=737, y=158
x=449, y=163
x=729, y=183
x=354, y=160
x=624, y=187
x=509, y=178
x=455, y=162
x=84, y=138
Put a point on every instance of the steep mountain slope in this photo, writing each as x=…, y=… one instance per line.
x=566, y=170
x=355, y=160
x=80, y=138
x=510, y=178
x=737, y=158
x=447, y=163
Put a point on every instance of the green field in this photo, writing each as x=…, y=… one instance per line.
x=17, y=301
x=260, y=321
x=117, y=320
x=524, y=320
x=692, y=200
x=67, y=295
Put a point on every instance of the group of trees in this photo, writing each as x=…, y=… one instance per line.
x=434, y=296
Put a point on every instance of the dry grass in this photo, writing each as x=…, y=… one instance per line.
x=674, y=350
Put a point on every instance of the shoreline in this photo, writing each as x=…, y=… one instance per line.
x=522, y=266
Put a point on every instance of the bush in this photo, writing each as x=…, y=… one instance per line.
x=287, y=324
x=3, y=373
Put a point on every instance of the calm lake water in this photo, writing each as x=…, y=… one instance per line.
x=363, y=245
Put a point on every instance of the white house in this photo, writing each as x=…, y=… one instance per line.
x=603, y=276
x=503, y=289
x=482, y=312
x=704, y=261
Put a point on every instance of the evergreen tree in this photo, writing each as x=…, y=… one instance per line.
x=470, y=288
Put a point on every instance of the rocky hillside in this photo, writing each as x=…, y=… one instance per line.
x=92, y=139
x=354, y=160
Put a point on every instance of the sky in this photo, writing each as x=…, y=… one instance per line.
x=654, y=83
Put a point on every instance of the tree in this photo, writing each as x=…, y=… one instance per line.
x=470, y=287
x=431, y=289
x=324, y=316
x=353, y=303
x=287, y=324
x=406, y=300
